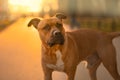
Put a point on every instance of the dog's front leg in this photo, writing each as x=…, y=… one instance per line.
x=48, y=75
x=47, y=72
x=71, y=73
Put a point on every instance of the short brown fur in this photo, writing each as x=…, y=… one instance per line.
x=83, y=44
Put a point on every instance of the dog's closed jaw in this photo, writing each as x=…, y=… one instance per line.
x=56, y=39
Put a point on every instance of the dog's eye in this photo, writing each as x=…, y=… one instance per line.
x=59, y=25
x=47, y=27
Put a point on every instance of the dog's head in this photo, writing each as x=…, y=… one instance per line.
x=50, y=30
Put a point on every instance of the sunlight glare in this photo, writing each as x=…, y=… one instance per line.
x=26, y=5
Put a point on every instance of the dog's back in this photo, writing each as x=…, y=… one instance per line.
x=88, y=40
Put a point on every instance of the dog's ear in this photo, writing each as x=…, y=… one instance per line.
x=60, y=16
x=34, y=22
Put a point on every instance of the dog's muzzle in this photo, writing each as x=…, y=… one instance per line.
x=56, y=38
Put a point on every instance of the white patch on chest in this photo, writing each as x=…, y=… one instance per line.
x=59, y=63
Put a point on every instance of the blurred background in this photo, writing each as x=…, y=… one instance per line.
x=100, y=14
x=20, y=57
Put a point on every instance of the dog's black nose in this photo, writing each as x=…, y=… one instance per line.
x=56, y=33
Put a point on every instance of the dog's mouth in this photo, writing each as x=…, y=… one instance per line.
x=56, y=40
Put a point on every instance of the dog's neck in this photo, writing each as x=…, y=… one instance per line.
x=52, y=50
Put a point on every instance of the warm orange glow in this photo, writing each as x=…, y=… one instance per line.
x=49, y=4
x=32, y=6
x=25, y=5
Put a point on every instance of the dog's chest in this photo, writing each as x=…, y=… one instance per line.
x=59, y=66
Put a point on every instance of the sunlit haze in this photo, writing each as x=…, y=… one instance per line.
x=25, y=5
x=34, y=6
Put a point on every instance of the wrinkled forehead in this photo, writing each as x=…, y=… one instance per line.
x=50, y=21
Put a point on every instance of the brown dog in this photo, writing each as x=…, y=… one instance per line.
x=63, y=51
